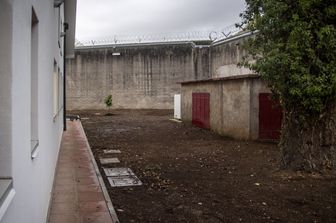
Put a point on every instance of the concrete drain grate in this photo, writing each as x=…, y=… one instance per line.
x=121, y=177
x=112, y=151
x=117, y=172
x=124, y=181
x=104, y=161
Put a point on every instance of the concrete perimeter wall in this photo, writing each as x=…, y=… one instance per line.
x=226, y=54
x=234, y=104
x=142, y=76
x=147, y=75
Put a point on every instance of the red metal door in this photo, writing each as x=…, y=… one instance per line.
x=201, y=110
x=270, y=117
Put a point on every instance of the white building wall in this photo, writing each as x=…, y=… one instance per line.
x=33, y=178
x=5, y=87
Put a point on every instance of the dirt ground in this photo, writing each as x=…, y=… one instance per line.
x=194, y=175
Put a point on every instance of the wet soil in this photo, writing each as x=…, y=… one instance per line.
x=194, y=175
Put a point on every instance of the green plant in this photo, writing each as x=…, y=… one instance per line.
x=108, y=101
x=294, y=52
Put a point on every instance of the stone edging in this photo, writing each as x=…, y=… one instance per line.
x=101, y=181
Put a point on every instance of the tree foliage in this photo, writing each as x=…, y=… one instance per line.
x=294, y=51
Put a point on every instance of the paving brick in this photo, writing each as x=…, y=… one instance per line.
x=87, y=181
x=64, y=197
x=88, y=188
x=99, y=206
x=77, y=195
x=64, y=188
x=61, y=218
x=98, y=217
x=90, y=196
x=64, y=208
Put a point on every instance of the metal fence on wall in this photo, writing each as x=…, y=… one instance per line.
x=210, y=35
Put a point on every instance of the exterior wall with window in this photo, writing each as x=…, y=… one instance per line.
x=31, y=44
x=6, y=191
x=5, y=87
x=57, y=90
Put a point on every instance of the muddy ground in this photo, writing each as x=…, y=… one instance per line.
x=194, y=175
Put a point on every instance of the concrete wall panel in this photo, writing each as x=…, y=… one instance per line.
x=236, y=108
x=147, y=75
x=234, y=105
x=215, y=96
x=143, y=76
x=225, y=56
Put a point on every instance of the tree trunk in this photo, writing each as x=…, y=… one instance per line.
x=309, y=145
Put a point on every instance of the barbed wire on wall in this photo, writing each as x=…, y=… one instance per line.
x=213, y=35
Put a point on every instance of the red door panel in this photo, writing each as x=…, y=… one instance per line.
x=201, y=110
x=270, y=117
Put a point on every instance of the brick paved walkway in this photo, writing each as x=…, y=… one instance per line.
x=77, y=195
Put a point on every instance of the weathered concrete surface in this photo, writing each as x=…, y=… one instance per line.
x=234, y=91
x=142, y=76
x=147, y=75
x=234, y=104
x=214, y=90
x=225, y=56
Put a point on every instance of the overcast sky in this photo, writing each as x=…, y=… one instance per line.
x=105, y=18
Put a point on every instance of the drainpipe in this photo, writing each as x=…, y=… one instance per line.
x=66, y=27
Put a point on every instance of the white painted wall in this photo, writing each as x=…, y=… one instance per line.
x=5, y=87
x=33, y=178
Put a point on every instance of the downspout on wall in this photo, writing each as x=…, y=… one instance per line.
x=66, y=27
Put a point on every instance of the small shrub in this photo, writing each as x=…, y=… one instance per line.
x=108, y=101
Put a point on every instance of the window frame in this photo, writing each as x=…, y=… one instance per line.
x=57, y=91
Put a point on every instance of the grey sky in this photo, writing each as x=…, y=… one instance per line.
x=104, y=18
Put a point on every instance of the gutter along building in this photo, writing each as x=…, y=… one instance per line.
x=32, y=41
